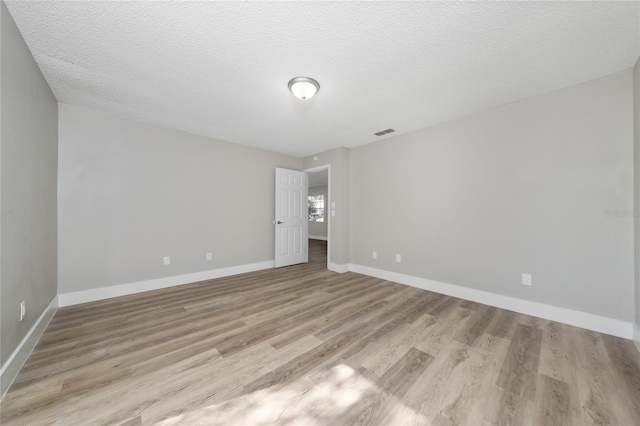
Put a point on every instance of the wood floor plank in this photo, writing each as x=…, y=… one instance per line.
x=217, y=389
x=626, y=365
x=390, y=304
x=503, y=324
x=390, y=351
x=347, y=314
x=557, y=359
x=597, y=388
x=123, y=348
x=469, y=392
x=303, y=345
x=505, y=408
x=304, y=363
x=374, y=405
x=553, y=402
x=519, y=371
x=441, y=333
x=443, y=307
x=476, y=325
x=429, y=392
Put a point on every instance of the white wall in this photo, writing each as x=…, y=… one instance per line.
x=319, y=229
x=340, y=238
x=28, y=169
x=522, y=188
x=131, y=193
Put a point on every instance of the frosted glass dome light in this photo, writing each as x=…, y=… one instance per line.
x=303, y=87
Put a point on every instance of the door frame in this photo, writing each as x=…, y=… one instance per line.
x=327, y=208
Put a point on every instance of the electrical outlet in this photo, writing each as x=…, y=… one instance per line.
x=374, y=254
x=527, y=279
x=166, y=260
x=398, y=258
x=23, y=309
x=209, y=256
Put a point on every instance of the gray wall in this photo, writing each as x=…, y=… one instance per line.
x=131, y=193
x=319, y=229
x=28, y=170
x=636, y=143
x=339, y=240
x=522, y=188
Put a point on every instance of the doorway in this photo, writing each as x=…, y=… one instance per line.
x=319, y=193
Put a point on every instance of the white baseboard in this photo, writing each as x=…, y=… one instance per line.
x=336, y=267
x=636, y=336
x=593, y=322
x=92, y=295
x=317, y=237
x=12, y=367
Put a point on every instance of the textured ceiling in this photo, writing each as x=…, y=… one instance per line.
x=221, y=68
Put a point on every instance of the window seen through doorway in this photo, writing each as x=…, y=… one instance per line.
x=316, y=208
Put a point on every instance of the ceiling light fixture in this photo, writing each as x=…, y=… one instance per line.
x=303, y=87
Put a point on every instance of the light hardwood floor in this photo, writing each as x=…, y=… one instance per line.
x=302, y=345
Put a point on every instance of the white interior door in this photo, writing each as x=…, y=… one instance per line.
x=292, y=222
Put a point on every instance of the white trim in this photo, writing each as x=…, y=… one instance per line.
x=91, y=295
x=636, y=336
x=341, y=269
x=593, y=322
x=327, y=208
x=317, y=237
x=12, y=367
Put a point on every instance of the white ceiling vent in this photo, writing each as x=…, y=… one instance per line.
x=384, y=132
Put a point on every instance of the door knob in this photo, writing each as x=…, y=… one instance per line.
x=279, y=223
